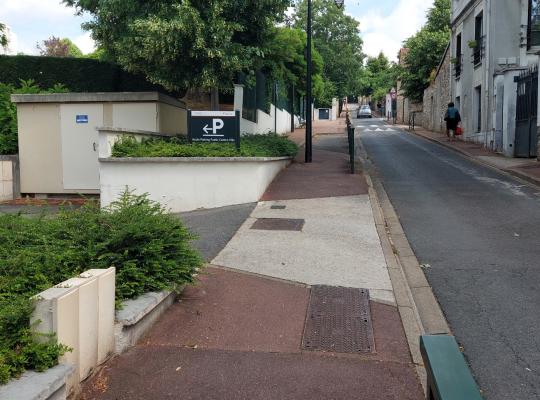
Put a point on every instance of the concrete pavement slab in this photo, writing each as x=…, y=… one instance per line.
x=338, y=246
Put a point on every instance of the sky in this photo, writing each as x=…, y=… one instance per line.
x=384, y=24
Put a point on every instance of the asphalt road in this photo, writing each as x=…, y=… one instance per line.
x=479, y=231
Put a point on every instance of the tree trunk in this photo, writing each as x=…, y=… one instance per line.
x=214, y=99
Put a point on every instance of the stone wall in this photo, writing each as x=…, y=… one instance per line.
x=436, y=98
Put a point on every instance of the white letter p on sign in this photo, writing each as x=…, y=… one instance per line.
x=217, y=125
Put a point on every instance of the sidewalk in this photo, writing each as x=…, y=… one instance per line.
x=258, y=325
x=527, y=169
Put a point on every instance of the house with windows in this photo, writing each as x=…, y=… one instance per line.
x=495, y=51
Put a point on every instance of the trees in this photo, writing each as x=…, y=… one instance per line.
x=56, y=47
x=182, y=44
x=425, y=50
x=380, y=76
x=285, y=61
x=3, y=36
x=337, y=38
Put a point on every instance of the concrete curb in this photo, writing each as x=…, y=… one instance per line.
x=526, y=178
x=419, y=310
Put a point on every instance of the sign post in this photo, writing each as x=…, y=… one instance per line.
x=214, y=126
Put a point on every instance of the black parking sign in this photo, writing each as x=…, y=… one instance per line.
x=214, y=126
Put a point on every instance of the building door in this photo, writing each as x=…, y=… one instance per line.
x=526, y=144
x=79, y=145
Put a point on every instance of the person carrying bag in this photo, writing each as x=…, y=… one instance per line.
x=452, y=118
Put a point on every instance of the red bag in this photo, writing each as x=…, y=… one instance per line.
x=459, y=131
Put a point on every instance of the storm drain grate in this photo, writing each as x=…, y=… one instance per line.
x=278, y=224
x=278, y=207
x=339, y=321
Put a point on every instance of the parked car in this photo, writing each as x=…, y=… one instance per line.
x=364, y=112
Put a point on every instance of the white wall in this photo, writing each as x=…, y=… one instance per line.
x=267, y=123
x=80, y=312
x=183, y=184
x=6, y=180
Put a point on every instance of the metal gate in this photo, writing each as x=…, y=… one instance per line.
x=526, y=144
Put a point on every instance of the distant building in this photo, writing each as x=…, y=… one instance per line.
x=494, y=79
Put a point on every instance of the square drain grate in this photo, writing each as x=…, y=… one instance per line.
x=278, y=224
x=339, y=321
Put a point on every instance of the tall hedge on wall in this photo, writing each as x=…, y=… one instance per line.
x=77, y=74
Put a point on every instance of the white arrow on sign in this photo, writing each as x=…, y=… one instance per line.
x=217, y=124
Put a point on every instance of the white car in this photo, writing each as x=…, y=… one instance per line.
x=364, y=112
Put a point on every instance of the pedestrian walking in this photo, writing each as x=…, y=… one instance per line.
x=452, y=118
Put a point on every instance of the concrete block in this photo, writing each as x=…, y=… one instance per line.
x=106, y=307
x=413, y=272
x=7, y=170
x=430, y=312
x=80, y=311
x=137, y=316
x=48, y=385
x=87, y=340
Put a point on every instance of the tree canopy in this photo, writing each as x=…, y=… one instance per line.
x=184, y=43
x=56, y=47
x=336, y=36
x=426, y=49
x=3, y=36
x=379, y=77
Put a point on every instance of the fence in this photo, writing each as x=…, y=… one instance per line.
x=352, y=146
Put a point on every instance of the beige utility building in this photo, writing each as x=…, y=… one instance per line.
x=58, y=137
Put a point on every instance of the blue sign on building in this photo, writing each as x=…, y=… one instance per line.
x=81, y=119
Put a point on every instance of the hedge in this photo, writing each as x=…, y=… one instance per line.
x=78, y=74
x=269, y=145
x=150, y=249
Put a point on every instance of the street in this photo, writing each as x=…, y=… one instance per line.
x=476, y=232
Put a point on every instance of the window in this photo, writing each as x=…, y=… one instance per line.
x=533, y=27
x=458, y=103
x=478, y=104
x=457, y=64
x=478, y=38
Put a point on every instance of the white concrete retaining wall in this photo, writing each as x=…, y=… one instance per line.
x=268, y=123
x=186, y=184
x=80, y=311
x=9, y=177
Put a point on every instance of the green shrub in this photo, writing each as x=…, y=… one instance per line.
x=8, y=111
x=149, y=248
x=78, y=74
x=270, y=145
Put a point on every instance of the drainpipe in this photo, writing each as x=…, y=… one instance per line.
x=488, y=114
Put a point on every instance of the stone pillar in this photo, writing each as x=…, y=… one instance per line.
x=238, y=98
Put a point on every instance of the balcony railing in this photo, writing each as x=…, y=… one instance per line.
x=478, y=51
x=458, y=66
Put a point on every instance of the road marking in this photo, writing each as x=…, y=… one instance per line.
x=390, y=130
x=379, y=130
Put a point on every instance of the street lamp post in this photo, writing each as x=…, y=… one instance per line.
x=309, y=89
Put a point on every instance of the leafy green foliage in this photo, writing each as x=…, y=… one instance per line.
x=149, y=248
x=182, y=44
x=270, y=145
x=78, y=74
x=336, y=36
x=56, y=47
x=3, y=36
x=8, y=111
x=380, y=76
x=425, y=50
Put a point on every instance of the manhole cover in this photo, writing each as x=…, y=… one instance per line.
x=339, y=321
x=278, y=224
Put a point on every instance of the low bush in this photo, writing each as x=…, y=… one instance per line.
x=149, y=248
x=270, y=145
x=8, y=111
